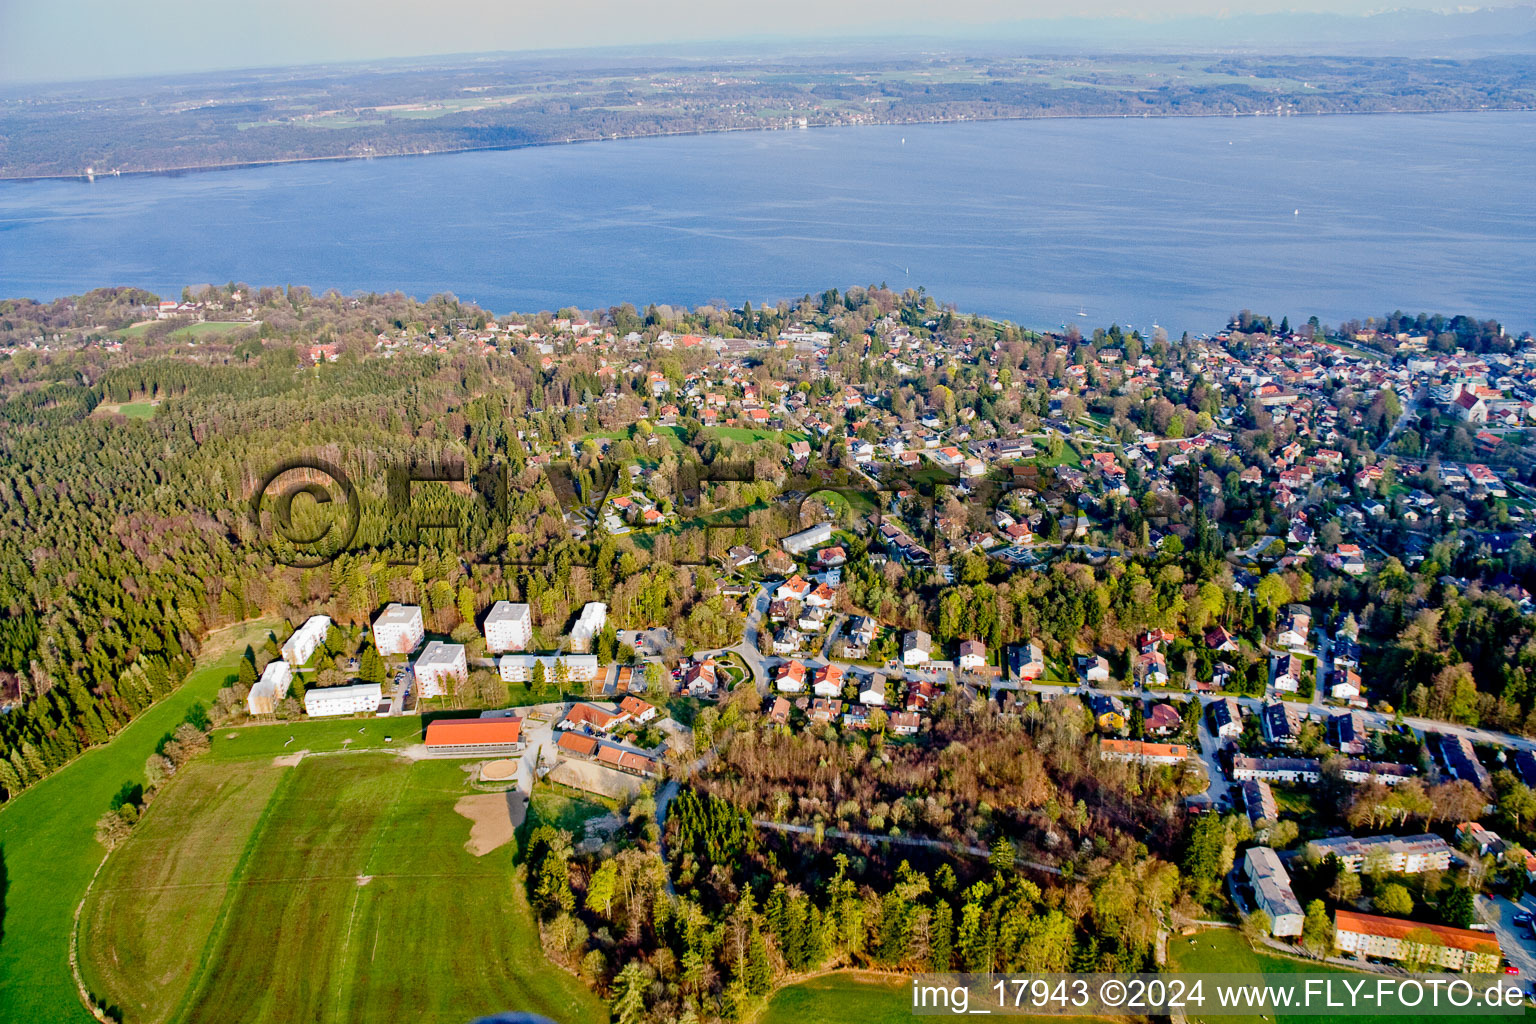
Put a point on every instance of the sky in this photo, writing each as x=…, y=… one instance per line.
x=64, y=40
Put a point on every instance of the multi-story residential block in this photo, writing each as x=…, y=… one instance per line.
x=399, y=629
x=438, y=667
x=1272, y=891
x=343, y=700
x=1425, y=945
x=270, y=688
x=508, y=627
x=1405, y=855
x=300, y=647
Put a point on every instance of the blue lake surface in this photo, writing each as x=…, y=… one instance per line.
x=1176, y=221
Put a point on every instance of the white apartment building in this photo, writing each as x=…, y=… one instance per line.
x=593, y=618
x=270, y=688
x=1407, y=855
x=518, y=668
x=508, y=627
x=343, y=700
x=437, y=668
x=1272, y=891
x=1429, y=945
x=398, y=629
x=300, y=647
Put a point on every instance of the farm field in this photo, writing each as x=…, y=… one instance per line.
x=47, y=836
x=169, y=879
x=336, y=905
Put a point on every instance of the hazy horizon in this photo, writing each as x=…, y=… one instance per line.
x=178, y=36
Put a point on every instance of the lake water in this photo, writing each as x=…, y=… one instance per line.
x=1176, y=221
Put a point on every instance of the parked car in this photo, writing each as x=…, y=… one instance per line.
x=1522, y=918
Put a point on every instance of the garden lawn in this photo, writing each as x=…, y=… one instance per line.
x=47, y=840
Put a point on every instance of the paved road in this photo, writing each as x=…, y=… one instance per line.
x=1402, y=421
x=937, y=844
x=1373, y=719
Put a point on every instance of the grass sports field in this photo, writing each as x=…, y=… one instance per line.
x=47, y=836
x=338, y=889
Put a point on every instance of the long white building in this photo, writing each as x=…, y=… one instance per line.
x=270, y=688
x=1407, y=855
x=1272, y=891
x=518, y=668
x=300, y=647
x=593, y=618
x=800, y=543
x=437, y=668
x=398, y=629
x=508, y=627
x=343, y=700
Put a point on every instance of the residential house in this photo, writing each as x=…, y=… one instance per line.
x=1347, y=733
x=1289, y=671
x=702, y=678
x=973, y=655
x=1162, y=720
x=1280, y=725
x=916, y=648
x=1026, y=662
x=1295, y=627
x=1226, y=719
x=1092, y=668
x=1107, y=711
x=827, y=681
x=873, y=690
x=1290, y=770
x=1142, y=752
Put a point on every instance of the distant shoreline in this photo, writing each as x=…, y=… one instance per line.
x=1147, y=116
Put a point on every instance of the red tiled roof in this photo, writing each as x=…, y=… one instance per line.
x=577, y=743
x=1413, y=931
x=457, y=732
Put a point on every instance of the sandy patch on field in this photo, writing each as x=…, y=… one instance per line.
x=499, y=771
x=289, y=760
x=495, y=817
